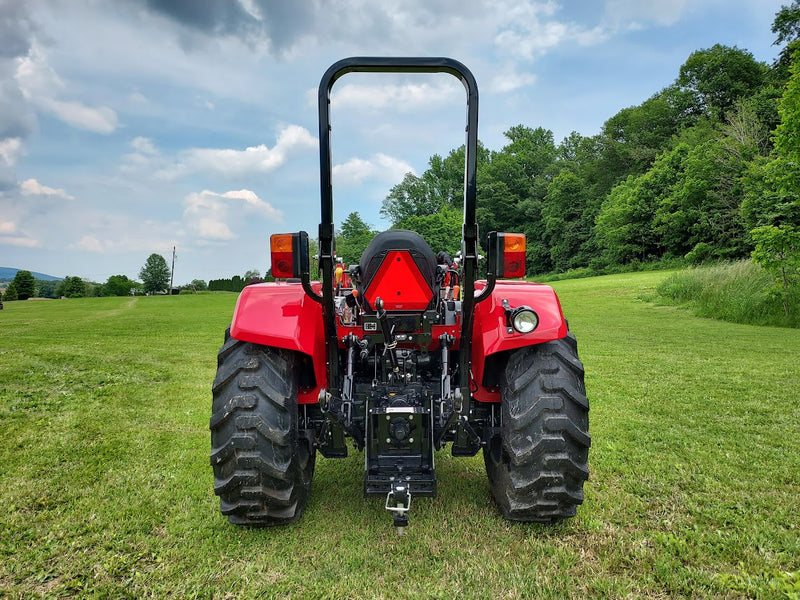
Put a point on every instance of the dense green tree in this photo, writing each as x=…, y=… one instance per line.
x=72, y=287
x=444, y=178
x=636, y=135
x=11, y=292
x=25, y=285
x=442, y=184
x=155, y=274
x=719, y=76
x=46, y=288
x=777, y=249
x=568, y=221
x=199, y=285
x=353, y=238
x=118, y=285
x=569, y=150
x=770, y=188
x=75, y=287
x=234, y=284
x=498, y=207
x=408, y=198
x=313, y=256
x=786, y=27
x=625, y=227
x=512, y=185
x=593, y=161
x=770, y=193
x=787, y=134
x=525, y=164
x=764, y=103
x=530, y=222
x=442, y=231
x=702, y=206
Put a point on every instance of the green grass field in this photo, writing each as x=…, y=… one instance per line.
x=106, y=488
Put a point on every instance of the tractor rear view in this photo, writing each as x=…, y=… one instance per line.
x=398, y=357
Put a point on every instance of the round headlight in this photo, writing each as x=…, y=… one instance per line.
x=524, y=319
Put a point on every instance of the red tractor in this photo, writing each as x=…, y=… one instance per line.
x=403, y=353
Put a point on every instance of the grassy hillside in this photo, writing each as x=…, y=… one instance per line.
x=106, y=488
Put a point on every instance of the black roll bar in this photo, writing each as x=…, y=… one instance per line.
x=469, y=244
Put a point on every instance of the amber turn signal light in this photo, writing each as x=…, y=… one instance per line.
x=512, y=247
x=284, y=250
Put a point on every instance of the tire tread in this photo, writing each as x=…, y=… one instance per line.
x=262, y=469
x=545, y=434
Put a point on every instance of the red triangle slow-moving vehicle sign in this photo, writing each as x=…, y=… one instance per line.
x=399, y=284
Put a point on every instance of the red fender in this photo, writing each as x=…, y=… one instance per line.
x=490, y=333
x=281, y=315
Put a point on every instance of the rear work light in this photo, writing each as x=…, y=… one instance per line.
x=524, y=319
x=508, y=252
x=285, y=253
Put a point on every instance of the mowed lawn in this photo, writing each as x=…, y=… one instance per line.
x=106, y=488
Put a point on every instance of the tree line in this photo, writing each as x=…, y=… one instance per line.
x=154, y=275
x=25, y=286
x=237, y=283
x=700, y=171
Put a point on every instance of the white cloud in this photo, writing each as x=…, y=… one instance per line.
x=98, y=120
x=102, y=232
x=41, y=85
x=353, y=172
x=9, y=150
x=31, y=187
x=254, y=159
x=221, y=161
x=7, y=227
x=206, y=214
x=92, y=244
x=405, y=97
x=146, y=156
x=528, y=30
x=381, y=167
x=252, y=9
x=144, y=145
x=252, y=201
x=509, y=80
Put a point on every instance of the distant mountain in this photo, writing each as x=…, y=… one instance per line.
x=8, y=273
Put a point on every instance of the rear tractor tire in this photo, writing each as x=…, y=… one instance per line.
x=262, y=467
x=537, y=467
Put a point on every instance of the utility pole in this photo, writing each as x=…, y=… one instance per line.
x=172, y=274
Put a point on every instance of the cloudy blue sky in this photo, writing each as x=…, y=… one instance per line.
x=132, y=126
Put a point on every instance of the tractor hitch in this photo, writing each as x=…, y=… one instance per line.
x=398, y=502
